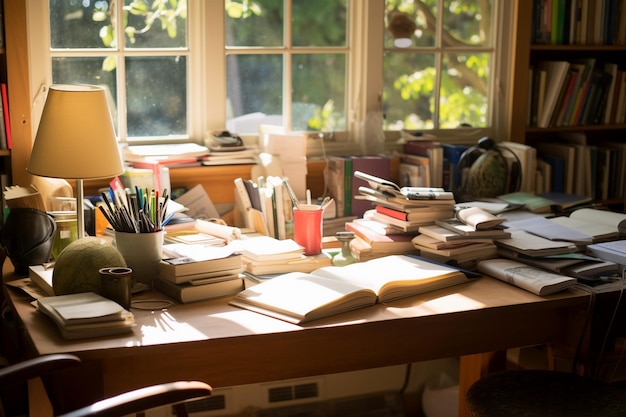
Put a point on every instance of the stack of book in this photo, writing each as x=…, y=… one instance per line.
x=405, y=208
x=263, y=255
x=188, y=278
x=374, y=239
x=464, y=240
x=85, y=315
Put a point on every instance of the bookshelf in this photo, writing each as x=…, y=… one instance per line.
x=529, y=51
x=5, y=154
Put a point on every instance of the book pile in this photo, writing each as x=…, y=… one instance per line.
x=397, y=213
x=262, y=255
x=465, y=239
x=199, y=272
x=85, y=315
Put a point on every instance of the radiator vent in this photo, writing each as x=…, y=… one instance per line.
x=292, y=392
x=212, y=403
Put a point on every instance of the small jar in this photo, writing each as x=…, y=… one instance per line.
x=345, y=256
x=67, y=230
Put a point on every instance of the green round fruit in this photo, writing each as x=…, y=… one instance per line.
x=78, y=265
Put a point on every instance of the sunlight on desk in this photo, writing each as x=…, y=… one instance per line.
x=452, y=302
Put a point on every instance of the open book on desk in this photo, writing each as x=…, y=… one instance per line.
x=300, y=297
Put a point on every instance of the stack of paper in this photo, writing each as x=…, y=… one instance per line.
x=85, y=315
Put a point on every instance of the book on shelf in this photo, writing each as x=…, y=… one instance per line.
x=412, y=175
x=457, y=226
x=187, y=292
x=85, y=315
x=340, y=184
x=433, y=151
x=556, y=72
x=379, y=241
x=527, y=156
x=41, y=276
x=451, y=172
x=529, y=278
x=533, y=245
x=6, y=115
x=300, y=298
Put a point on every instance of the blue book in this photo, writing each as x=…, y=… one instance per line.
x=451, y=157
x=557, y=165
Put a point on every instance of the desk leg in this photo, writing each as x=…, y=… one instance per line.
x=38, y=403
x=472, y=368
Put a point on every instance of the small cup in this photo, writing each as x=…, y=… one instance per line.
x=307, y=228
x=116, y=284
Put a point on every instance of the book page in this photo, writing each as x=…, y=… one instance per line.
x=478, y=218
x=618, y=220
x=377, y=273
x=297, y=294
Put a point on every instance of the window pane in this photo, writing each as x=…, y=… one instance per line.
x=468, y=22
x=415, y=20
x=464, y=90
x=254, y=90
x=318, y=99
x=254, y=23
x=156, y=24
x=75, y=24
x=319, y=22
x=409, y=90
x=86, y=71
x=156, y=90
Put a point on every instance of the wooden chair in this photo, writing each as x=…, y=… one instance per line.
x=132, y=402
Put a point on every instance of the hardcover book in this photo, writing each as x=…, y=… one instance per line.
x=188, y=293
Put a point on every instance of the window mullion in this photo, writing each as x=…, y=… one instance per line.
x=287, y=66
x=121, y=73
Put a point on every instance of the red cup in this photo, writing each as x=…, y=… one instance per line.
x=307, y=228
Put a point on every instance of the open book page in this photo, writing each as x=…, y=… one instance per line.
x=617, y=220
x=530, y=278
x=598, y=231
x=393, y=276
x=300, y=297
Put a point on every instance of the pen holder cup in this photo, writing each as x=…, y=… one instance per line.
x=142, y=253
x=116, y=284
x=307, y=228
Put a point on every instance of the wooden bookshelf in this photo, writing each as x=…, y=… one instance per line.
x=527, y=54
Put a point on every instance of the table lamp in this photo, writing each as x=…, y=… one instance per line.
x=76, y=140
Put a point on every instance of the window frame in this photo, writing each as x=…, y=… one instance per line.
x=206, y=109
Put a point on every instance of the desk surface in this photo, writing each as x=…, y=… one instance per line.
x=227, y=346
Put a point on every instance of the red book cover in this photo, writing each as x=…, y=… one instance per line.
x=7, y=121
x=397, y=214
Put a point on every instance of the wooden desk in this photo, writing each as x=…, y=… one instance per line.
x=225, y=346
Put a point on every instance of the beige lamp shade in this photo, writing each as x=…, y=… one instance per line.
x=75, y=139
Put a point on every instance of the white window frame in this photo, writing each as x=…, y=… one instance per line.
x=206, y=108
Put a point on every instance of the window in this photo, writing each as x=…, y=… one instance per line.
x=179, y=68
